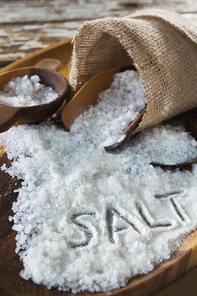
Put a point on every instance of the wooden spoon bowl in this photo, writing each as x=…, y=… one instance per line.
x=46, y=70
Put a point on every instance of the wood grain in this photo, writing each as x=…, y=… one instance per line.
x=26, y=26
x=61, y=50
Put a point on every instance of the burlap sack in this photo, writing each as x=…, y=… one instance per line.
x=163, y=47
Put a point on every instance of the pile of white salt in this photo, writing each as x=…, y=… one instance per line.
x=90, y=220
x=25, y=91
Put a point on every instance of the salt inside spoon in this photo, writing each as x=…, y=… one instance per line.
x=46, y=70
x=88, y=96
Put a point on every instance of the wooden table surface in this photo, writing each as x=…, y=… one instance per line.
x=26, y=26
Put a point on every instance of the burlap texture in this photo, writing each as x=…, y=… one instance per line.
x=161, y=44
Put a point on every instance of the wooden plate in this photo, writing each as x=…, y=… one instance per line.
x=11, y=284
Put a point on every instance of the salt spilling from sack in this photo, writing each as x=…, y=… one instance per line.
x=90, y=220
x=25, y=91
x=123, y=102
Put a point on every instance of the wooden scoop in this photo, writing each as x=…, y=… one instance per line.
x=46, y=70
x=88, y=96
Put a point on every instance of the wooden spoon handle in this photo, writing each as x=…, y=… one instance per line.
x=49, y=64
x=9, y=116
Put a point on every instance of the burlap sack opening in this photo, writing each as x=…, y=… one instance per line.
x=163, y=47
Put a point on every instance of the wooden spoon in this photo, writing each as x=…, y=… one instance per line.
x=46, y=70
x=88, y=96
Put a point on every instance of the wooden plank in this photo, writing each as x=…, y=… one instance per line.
x=19, y=41
x=58, y=11
x=12, y=12
x=61, y=50
x=185, y=7
x=26, y=26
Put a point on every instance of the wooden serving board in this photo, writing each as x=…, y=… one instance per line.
x=11, y=284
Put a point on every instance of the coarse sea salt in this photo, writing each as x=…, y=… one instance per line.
x=88, y=220
x=25, y=91
x=123, y=102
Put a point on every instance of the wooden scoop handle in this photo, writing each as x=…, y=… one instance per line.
x=49, y=64
x=9, y=116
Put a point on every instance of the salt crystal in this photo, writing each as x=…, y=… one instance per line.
x=18, y=227
x=114, y=184
x=132, y=235
x=3, y=167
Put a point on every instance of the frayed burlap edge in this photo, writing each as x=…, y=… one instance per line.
x=162, y=45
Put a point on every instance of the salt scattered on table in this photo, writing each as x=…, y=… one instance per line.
x=90, y=220
x=25, y=91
